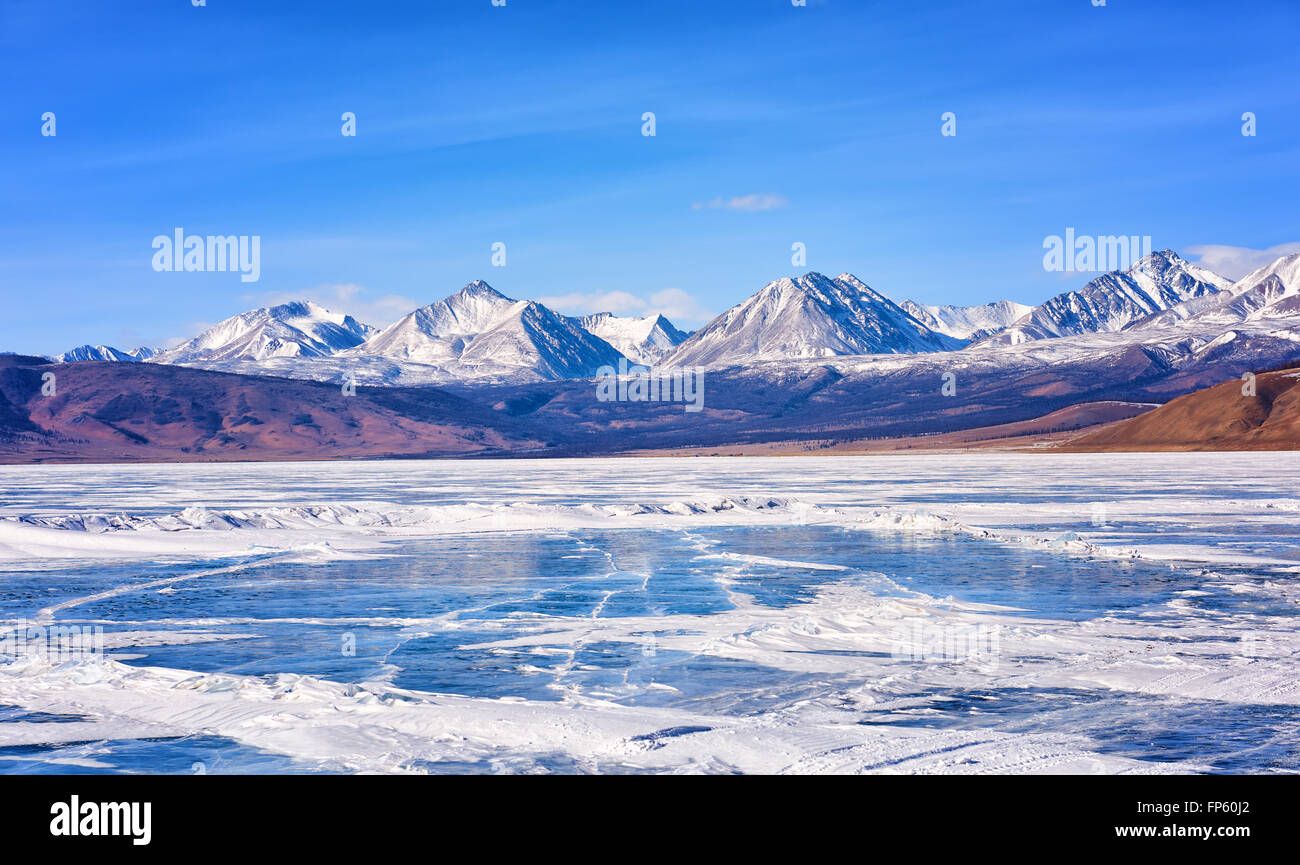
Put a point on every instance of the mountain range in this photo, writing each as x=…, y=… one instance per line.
x=104, y=352
x=475, y=334
x=1268, y=294
x=812, y=359
x=478, y=335
x=1115, y=300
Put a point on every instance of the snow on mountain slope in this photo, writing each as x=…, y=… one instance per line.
x=534, y=339
x=297, y=329
x=645, y=340
x=1286, y=269
x=437, y=334
x=967, y=322
x=1115, y=300
x=480, y=336
x=479, y=333
x=104, y=352
x=1268, y=293
x=811, y=316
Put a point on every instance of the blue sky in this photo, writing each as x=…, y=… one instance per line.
x=522, y=124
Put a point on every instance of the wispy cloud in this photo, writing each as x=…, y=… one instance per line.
x=678, y=306
x=1235, y=262
x=579, y=303
x=193, y=328
x=753, y=203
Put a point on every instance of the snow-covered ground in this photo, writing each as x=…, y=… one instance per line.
x=927, y=613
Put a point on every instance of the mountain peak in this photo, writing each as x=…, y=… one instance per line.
x=292, y=309
x=1159, y=262
x=1286, y=268
x=809, y=316
x=644, y=340
x=808, y=280
x=308, y=310
x=479, y=288
x=1113, y=301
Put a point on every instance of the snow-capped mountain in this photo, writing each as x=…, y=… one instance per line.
x=645, y=340
x=1162, y=308
x=437, y=334
x=967, y=322
x=479, y=333
x=1269, y=292
x=1272, y=291
x=533, y=338
x=1115, y=300
x=297, y=329
x=811, y=316
x=104, y=352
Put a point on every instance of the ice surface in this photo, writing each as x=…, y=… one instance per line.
x=930, y=613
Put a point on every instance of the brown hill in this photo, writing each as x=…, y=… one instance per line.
x=115, y=412
x=1221, y=417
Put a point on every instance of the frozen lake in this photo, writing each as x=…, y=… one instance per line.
x=928, y=613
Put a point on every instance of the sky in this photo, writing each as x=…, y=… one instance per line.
x=522, y=124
